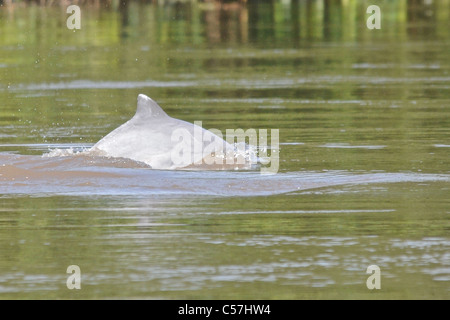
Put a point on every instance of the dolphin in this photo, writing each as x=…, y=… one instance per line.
x=163, y=142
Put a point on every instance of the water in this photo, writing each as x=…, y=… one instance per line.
x=364, y=148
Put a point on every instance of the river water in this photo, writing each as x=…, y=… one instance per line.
x=363, y=177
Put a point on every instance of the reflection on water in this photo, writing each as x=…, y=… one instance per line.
x=363, y=120
x=267, y=22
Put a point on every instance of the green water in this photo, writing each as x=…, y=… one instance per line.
x=346, y=100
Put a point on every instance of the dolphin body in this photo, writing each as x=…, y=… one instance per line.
x=163, y=142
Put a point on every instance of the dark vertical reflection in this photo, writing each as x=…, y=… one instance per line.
x=261, y=20
x=225, y=25
x=268, y=21
x=327, y=19
x=253, y=18
x=124, y=19
x=309, y=14
x=421, y=17
x=295, y=22
x=333, y=20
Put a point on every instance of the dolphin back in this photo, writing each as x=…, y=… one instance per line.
x=163, y=142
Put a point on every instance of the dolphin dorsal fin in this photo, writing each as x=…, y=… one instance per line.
x=148, y=108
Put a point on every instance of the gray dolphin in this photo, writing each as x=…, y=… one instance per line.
x=163, y=142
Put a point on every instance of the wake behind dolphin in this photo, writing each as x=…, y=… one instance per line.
x=163, y=142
